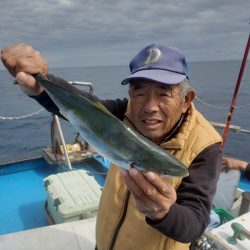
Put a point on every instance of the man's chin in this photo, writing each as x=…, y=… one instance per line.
x=152, y=137
x=151, y=134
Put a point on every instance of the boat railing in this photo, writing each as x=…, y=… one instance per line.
x=84, y=84
x=56, y=127
x=233, y=128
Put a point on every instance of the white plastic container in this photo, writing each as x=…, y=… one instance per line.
x=226, y=189
x=217, y=237
x=72, y=196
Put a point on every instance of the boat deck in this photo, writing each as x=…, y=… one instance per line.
x=23, y=195
x=77, y=235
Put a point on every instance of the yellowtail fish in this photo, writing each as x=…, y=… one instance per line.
x=110, y=137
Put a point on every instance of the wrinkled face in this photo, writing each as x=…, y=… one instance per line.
x=155, y=107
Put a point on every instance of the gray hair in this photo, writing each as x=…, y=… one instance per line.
x=185, y=86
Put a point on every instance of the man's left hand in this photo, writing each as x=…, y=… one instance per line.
x=153, y=195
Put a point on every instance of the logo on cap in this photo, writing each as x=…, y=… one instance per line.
x=154, y=55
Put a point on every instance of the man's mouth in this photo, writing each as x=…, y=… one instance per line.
x=151, y=123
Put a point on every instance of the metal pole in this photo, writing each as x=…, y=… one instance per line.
x=245, y=203
x=230, y=114
x=63, y=142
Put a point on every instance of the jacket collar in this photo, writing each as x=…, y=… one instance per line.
x=178, y=140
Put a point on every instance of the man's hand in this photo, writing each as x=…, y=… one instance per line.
x=153, y=196
x=231, y=163
x=21, y=60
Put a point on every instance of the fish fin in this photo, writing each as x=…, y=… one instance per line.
x=62, y=113
x=102, y=107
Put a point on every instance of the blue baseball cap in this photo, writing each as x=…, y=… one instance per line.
x=158, y=63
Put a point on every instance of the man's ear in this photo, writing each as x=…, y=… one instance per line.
x=129, y=93
x=188, y=100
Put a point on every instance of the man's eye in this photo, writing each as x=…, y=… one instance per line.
x=138, y=94
x=165, y=94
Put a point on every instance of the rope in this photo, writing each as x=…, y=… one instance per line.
x=219, y=107
x=243, y=106
x=22, y=116
x=41, y=110
x=209, y=105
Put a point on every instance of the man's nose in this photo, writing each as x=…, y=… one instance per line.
x=151, y=104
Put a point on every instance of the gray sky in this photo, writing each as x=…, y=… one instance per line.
x=110, y=32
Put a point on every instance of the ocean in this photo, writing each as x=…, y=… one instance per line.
x=214, y=83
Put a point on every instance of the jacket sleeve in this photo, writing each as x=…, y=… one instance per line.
x=117, y=107
x=190, y=215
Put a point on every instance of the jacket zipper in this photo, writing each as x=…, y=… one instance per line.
x=121, y=220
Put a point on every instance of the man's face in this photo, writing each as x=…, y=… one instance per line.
x=155, y=107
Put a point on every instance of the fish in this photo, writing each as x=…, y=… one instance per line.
x=109, y=136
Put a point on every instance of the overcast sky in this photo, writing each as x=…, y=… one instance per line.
x=109, y=32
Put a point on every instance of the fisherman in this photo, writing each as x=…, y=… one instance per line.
x=144, y=210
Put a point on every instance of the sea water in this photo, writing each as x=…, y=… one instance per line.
x=214, y=83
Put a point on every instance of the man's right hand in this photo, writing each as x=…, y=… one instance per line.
x=21, y=60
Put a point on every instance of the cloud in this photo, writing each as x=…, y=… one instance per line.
x=110, y=32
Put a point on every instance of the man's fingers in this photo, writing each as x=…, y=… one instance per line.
x=17, y=50
x=23, y=58
x=142, y=200
x=28, y=84
x=162, y=186
x=132, y=186
x=10, y=65
x=25, y=79
x=152, y=185
x=22, y=61
x=32, y=65
x=148, y=199
x=149, y=183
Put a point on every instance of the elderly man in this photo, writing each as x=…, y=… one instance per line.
x=144, y=210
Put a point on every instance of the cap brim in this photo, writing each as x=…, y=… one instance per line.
x=158, y=75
